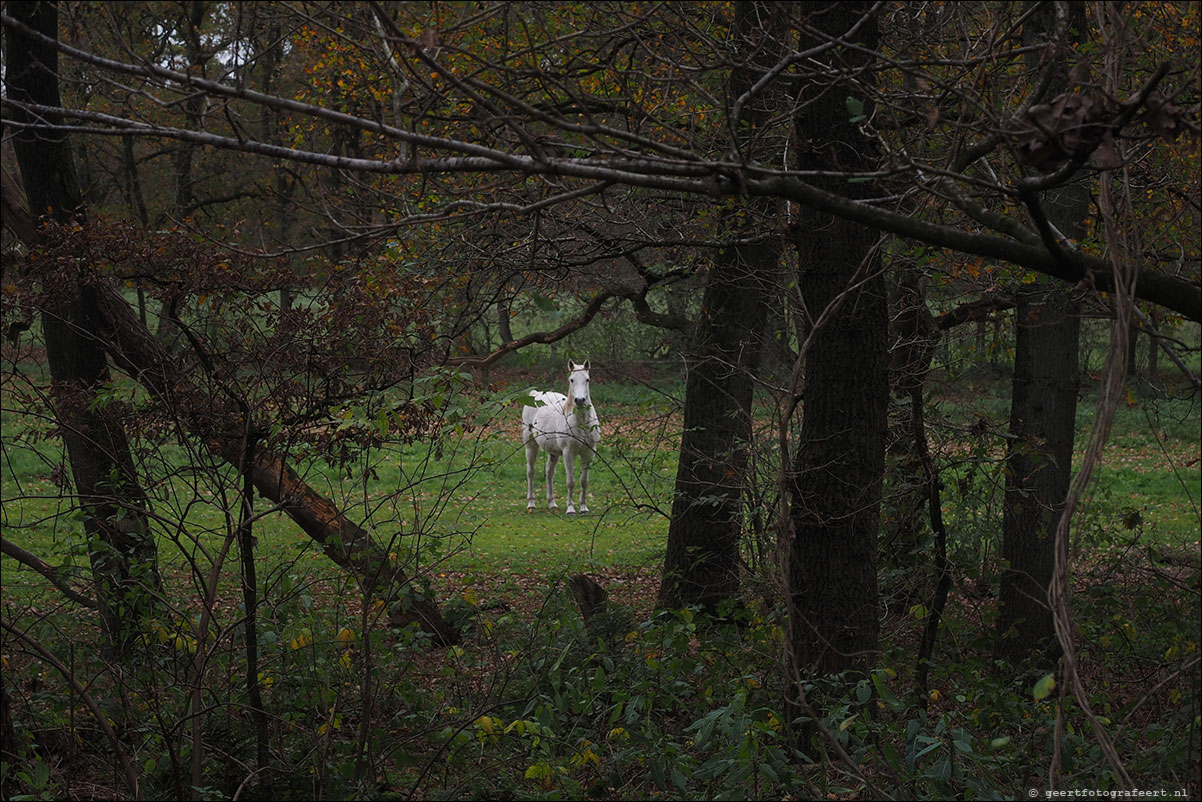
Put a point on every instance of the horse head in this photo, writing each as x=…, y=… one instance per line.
x=578, y=390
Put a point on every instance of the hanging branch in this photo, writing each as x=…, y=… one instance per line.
x=626, y=158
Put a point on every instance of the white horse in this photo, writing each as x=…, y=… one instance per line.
x=563, y=426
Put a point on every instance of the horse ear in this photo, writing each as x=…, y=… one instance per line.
x=586, y=364
x=571, y=367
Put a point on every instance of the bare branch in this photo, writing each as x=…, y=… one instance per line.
x=47, y=570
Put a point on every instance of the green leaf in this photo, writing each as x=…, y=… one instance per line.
x=855, y=108
x=942, y=771
x=705, y=727
x=1044, y=687
x=892, y=757
x=543, y=302
x=931, y=745
x=657, y=773
x=883, y=690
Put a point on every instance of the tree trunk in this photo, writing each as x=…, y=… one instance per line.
x=282, y=222
x=121, y=547
x=701, y=563
x=185, y=189
x=134, y=198
x=1043, y=409
x=1132, y=349
x=504, y=311
x=836, y=486
x=1153, y=375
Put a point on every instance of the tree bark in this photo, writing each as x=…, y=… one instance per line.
x=136, y=201
x=701, y=562
x=839, y=465
x=121, y=548
x=192, y=17
x=1043, y=409
x=1153, y=374
x=1132, y=350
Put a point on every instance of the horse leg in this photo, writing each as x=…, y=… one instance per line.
x=568, y=459
x=586, y=459
x=531, y=461
x=552, y=461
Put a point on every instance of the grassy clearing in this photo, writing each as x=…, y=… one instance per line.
x=462, y=502
x=530, y=705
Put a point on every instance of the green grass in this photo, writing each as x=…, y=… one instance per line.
x=473, y=500
x=461, y=502
x=1150, y=464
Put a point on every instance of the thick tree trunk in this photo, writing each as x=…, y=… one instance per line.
x=701, y=563
x=1043, y=409
x=838, y=470
x=121, y=547
x=836, y=486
